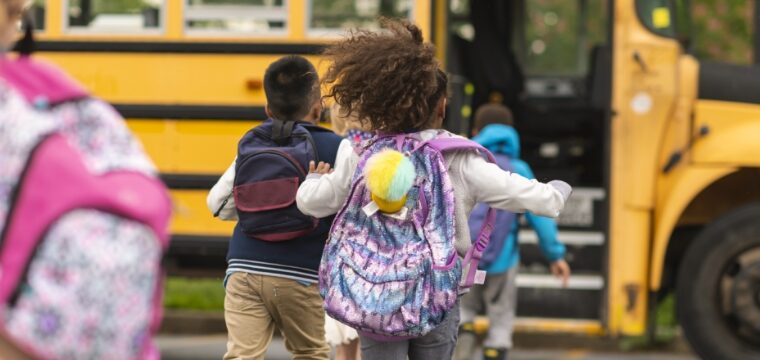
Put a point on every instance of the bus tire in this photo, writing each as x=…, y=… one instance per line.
x=711, y=291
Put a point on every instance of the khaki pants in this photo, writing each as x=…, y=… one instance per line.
x=255, y=304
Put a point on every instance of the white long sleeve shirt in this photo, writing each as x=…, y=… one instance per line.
x=473, y=178
x=221, y=192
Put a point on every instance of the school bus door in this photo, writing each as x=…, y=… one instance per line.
x=549, y=62
x=644, y=89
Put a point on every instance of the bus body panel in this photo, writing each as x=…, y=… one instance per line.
x=191, y=216
x=201, y=147
x=188, y=148
x=729, y=145
x=682, y=187
x=150, y=78
x=733, y=134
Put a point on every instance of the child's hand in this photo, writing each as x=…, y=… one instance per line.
x=561, y=269
x=322, y=168
x=564, y=188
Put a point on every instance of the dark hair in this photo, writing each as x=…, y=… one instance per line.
x=390, y=78
x=488, y=114
x=291, y=86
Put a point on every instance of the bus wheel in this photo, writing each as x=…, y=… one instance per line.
x=718, y=288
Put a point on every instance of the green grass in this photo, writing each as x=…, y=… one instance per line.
x=204, y=294
x=667, y=324
x=201, y=294
x=667, y=328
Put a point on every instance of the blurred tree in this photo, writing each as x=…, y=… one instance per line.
x=82, y=12
x=345, y=14
x=556, y=43
x=237, y=2
x=560, y=34
x=722, y=29
x=109, y=6
x=118, y=6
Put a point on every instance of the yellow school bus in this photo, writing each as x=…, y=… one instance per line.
x=609, y=95
x=188, y=77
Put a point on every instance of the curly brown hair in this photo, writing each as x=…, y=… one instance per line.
x=390, y=79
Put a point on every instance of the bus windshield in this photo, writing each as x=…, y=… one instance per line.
x=666, y=17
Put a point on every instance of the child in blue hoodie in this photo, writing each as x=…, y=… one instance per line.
x=498, y=296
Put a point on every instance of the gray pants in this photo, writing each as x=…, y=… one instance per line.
x=498, y=299
x=436, y=345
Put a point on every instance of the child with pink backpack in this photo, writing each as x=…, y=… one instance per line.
x=83, y=217
x=399, y=253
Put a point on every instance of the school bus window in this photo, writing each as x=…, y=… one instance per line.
x=459, y=7
x=336, y=15
x=552, y=37
x=723, y=30
x=37, y=13
x=657, y=16
x=236, y=16
x=460, y=23
x=114, y=16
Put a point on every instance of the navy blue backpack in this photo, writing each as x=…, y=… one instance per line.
x=273, y=160
x=505, y=221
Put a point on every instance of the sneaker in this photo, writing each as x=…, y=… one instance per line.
x=495, y=353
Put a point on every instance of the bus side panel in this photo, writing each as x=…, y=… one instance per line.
x=732, y=137
x=201, y=147
x=156, y=78
x=728, y=144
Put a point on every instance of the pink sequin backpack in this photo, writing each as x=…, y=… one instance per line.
x=83, y=222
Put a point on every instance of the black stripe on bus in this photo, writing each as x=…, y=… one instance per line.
x=559, y=303
x=178, y=47
x=583, y=258
x=197, y=255
x=198, y=245
x=189, y=181
x=729, y=82
x=191, y=112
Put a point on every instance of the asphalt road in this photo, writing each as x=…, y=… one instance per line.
x=212, y=348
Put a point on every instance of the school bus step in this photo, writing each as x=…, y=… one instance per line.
x=545, y=325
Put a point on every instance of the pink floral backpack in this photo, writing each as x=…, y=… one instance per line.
x=83, y=222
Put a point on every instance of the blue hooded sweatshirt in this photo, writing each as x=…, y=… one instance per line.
x=503, y=139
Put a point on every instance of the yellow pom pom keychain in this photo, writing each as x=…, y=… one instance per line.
x=389, y=176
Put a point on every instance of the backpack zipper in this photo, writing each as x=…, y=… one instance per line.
x=287, y=156
x=224, y=203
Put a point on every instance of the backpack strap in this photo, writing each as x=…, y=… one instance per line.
x=471, y=273
x=282, y=130
x=40, y=83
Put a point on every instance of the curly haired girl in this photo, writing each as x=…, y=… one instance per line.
x=392, y=81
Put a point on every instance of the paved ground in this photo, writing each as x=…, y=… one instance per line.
x=212, y=348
